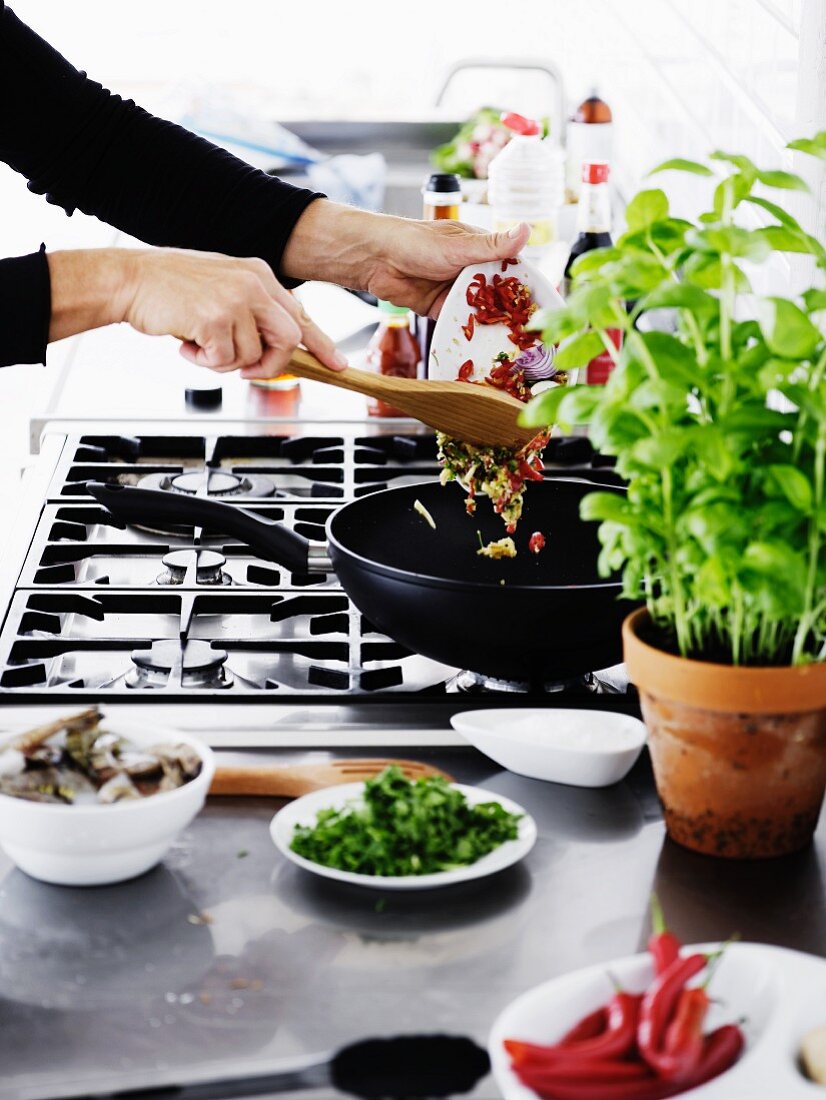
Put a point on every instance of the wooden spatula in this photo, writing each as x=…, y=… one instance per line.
x=293, y=780
x=474, y=414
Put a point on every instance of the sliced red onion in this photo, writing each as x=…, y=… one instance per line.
x=537, y=363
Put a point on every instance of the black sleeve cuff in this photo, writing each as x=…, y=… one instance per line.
x=25, y=308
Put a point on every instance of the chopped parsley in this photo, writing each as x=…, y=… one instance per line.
x=401, y=827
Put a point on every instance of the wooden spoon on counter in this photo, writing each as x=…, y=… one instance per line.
x=293, y=780
x=477, y=414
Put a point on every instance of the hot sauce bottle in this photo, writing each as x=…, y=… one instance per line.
x=394, y=351
x=442, y=195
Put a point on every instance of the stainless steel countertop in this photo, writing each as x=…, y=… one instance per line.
x=117, y=987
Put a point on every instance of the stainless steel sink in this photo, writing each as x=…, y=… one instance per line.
x=405, y=146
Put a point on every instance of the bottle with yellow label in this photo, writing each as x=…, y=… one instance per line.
x=526, y=183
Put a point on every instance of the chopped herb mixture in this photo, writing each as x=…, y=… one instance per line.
x=401, y=827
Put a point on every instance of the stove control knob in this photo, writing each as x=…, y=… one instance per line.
x=205, y=398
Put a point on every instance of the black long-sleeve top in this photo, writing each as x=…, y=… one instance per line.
x=83, y=147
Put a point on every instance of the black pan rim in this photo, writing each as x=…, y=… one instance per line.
x=423, y=580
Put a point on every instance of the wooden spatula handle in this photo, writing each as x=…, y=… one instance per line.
x=268, y=781
x=305, y=365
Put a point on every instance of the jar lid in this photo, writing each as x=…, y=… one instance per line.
x=595, y=172
x=388, y=307
x=444, y=181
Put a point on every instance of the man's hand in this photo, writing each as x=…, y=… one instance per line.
x=229, y=313
x=410, y=263
x=424, y=258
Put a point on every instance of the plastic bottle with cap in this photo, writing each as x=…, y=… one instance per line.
x=526, y=183
x=393, y=351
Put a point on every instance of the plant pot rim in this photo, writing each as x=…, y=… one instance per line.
x=730, y=689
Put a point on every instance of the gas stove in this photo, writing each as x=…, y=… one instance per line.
x=141, y=617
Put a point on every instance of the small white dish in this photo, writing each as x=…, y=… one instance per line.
x=449, y=348
x=583, y=748
x=303, y=812
x=100, y=844
x=779, y=994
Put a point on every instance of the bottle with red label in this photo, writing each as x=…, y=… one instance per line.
x=593, y=231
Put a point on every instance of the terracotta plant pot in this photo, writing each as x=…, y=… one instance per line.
x=739, y=753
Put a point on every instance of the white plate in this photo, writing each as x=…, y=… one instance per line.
x=780, y=994
x=449, y=348
x=556, y=744
x=303, y=812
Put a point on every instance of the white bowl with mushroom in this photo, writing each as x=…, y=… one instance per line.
x=92, y=841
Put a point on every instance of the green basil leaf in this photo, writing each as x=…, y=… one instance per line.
x=815, y=300
x=593, y=260
x=555, y=324
x=784, y=181
x=579, y=350
x=786, y=329
x=578, y=403
x=794, y=485
x=705, y=270
x=607, y=506
x=662, y=449
x=543, y=409
x=680, y=164
x=776, y=211
x=782, y=239
x=645, y=208
x=814, y=147
x=680, y=296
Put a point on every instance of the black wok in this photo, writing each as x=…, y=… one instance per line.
x=534, y=617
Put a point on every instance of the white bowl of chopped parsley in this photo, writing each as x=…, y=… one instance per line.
x=400, y=835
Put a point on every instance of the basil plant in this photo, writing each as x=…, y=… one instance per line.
x=723, y=528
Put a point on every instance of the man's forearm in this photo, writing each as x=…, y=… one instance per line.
x=337, y=244
x=89, y=289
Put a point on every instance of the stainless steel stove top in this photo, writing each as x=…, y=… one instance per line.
x=128, y=615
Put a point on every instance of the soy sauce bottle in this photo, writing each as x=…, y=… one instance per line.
x=593, y=217
x=594, y=231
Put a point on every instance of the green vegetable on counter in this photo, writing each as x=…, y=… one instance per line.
x=401, y=827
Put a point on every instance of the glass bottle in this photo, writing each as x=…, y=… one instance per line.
x=442, y=197
x=393, y=351
x=593, y=231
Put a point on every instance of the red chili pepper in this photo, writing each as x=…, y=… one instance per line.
x=465, y=371
x=721, y=1049
x=663, y=944
x=536, y=542
x=659, y=1002
x=611, y=1071
x=468, y=328
x=614, y=1042
x=588, y=1027
x=683, y=1043
x=644, y=1088
x=528, y=472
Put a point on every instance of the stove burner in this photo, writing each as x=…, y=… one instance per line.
x=476, y=683
x=209, y=567
x=218, y=483
x=195, y=663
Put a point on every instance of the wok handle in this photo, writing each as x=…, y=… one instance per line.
x=268, y=538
